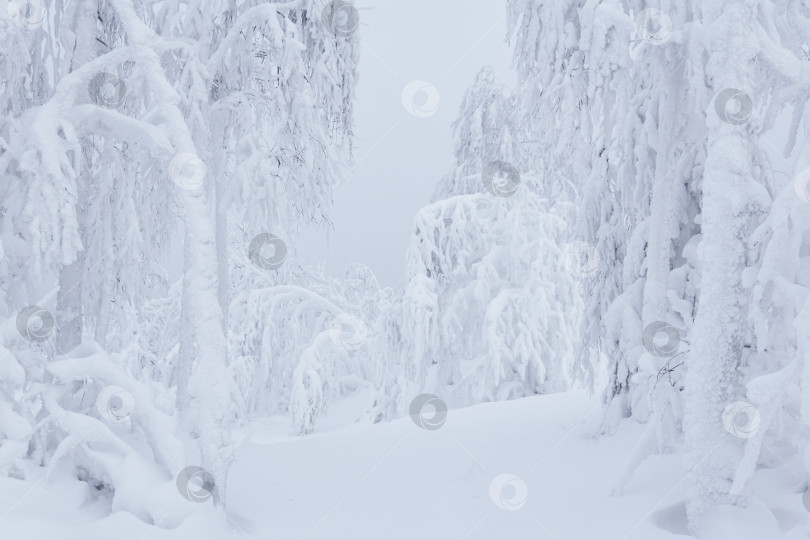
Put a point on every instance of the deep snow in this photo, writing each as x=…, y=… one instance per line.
x=398, y=481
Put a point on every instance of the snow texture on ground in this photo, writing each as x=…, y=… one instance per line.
x=399, y=481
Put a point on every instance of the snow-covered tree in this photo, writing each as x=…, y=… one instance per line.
x=686, y=184
x=124, y=114
x=676, y=197
x=485, y=132
x=489, y=309
x=639, y=211
x=552, y=99
x=319, y=346
x=745, y=100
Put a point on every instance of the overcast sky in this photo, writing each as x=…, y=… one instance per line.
x=400, y=156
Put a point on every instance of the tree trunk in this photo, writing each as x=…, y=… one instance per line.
x=69, y=299
x=731, y=195
x=203, y=370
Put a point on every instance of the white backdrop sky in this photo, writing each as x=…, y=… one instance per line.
x=400, y=157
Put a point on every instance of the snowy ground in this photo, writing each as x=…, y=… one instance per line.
x=398, y=481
